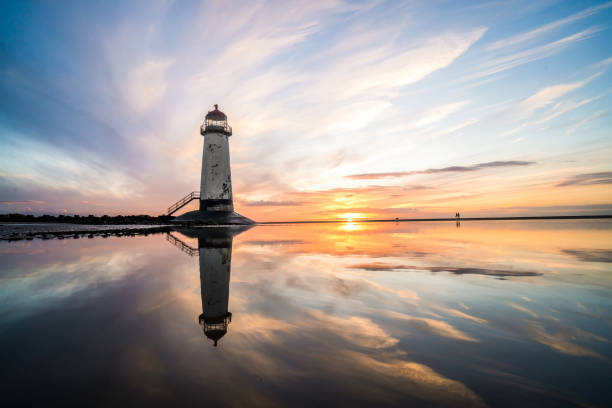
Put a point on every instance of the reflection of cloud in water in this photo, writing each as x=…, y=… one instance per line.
x=360, y=331
x=590, y=255
x=346, y=287
x=523, y=309
x=431, y=326
x=381, y=266
x=551, y=331
x=263, y=327
x=301, y=318
x=563, y=338
x=342, y=351
x=53, y=281
x=419, y=380
x=456, y=313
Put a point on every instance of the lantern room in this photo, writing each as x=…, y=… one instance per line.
x=215, y=327
x=215, y=121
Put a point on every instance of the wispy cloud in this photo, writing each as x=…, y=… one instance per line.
x=451, y=169
x=588, y=119
x=21, y=202
x=263, y=203
x=588, y=179
x=504, y=63
x=564, y=107
x=417, y=187
x=533, y=34
x=438, y=113
x=567, y=208
x=550, y=94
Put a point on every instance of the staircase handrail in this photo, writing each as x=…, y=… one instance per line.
x=183, y=201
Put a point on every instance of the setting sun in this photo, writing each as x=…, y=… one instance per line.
x=351, y=216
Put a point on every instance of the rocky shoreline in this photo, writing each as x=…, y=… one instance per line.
x=8, y=232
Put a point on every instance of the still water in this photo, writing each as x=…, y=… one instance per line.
x=506, y=313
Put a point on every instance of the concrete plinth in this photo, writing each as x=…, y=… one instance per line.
x=212, y=218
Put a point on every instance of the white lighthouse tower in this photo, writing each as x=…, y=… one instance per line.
x=216, y=181
x=215, y=195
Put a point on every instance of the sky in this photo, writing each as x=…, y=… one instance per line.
x=339, y=109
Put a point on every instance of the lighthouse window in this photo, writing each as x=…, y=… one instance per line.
x=220, y=123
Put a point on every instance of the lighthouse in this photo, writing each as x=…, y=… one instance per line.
x=215, y=195
x=216, y=180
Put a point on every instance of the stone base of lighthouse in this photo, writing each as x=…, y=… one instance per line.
x=212, y=218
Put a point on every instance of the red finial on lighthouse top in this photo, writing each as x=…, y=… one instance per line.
x=216, y=107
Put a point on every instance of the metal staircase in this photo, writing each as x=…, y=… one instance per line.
x=194, y=195
x=181, y=245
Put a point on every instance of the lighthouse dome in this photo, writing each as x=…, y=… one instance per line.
x=216, y=114
x=215, y=122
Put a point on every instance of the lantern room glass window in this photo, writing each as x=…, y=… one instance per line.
x=216, y=123
x=211, y=125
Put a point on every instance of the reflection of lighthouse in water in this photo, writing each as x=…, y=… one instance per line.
x=215, y=251
x=215, y=265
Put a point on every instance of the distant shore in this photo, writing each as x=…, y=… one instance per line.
x=16, y=227
x=544, y=217
x=86, y=220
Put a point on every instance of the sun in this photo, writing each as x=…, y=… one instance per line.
x=349, y=217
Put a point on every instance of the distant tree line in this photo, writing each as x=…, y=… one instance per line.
x=89, y=220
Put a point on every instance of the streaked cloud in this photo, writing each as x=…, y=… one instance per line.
x=604, y=177
x=450, y=169
x=147, y=84
x=507, y=62
x=438, y=113
x=263, y=203
x=21, y=202
x=548, y=95
x=545, y=29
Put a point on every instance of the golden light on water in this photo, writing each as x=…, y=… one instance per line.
x=350, y=226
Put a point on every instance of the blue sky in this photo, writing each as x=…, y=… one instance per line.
x=368, y=108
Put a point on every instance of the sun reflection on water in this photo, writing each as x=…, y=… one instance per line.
x=351, y=226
